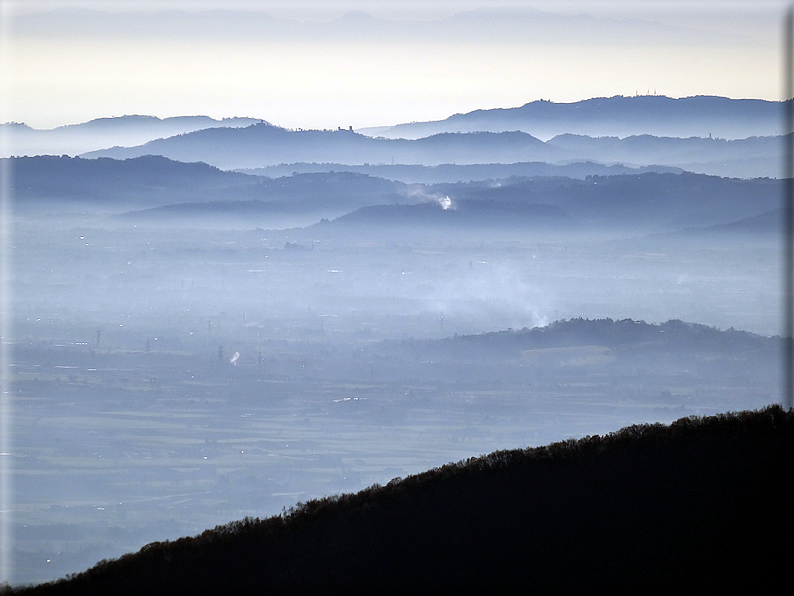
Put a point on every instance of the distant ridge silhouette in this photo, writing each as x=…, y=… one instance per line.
x=621, y=116
x=264, y=145
x=101, y=133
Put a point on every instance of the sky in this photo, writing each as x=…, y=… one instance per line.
x=323, y=64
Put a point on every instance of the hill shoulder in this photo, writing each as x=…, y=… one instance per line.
x=699, y=502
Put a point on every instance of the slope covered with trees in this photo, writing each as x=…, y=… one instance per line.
x=700, y=503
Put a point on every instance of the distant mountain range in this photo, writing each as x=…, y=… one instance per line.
x=645, y=202
x=264, y=145
x=704, y=134
x=661, y=116
x=558, y=206
x=742, y=158
x=101, y=133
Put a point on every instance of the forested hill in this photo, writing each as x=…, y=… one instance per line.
x=626, y=337
x=156, y=181
x=144, y=180
x=702, y=503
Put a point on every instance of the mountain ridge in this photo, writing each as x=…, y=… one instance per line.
x=266, y=145
x=619, y=115
x=100, y=133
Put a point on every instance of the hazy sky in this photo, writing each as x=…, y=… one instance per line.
x=312, y=64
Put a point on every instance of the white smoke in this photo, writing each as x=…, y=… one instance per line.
x=420, y=194
x=446, y=203
x=495, y=295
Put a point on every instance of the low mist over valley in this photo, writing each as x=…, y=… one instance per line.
x=219, y=319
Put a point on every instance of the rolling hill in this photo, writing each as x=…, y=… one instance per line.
x=626, y=338
x=639, y=203
x=650, y=202
x=262, y=145
x=109, y=183
x=148, y=181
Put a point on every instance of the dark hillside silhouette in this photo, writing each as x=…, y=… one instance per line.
x=677, y=200
x=700, y=504
x=649, y=202
x=154, y=180
x=109, y=182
